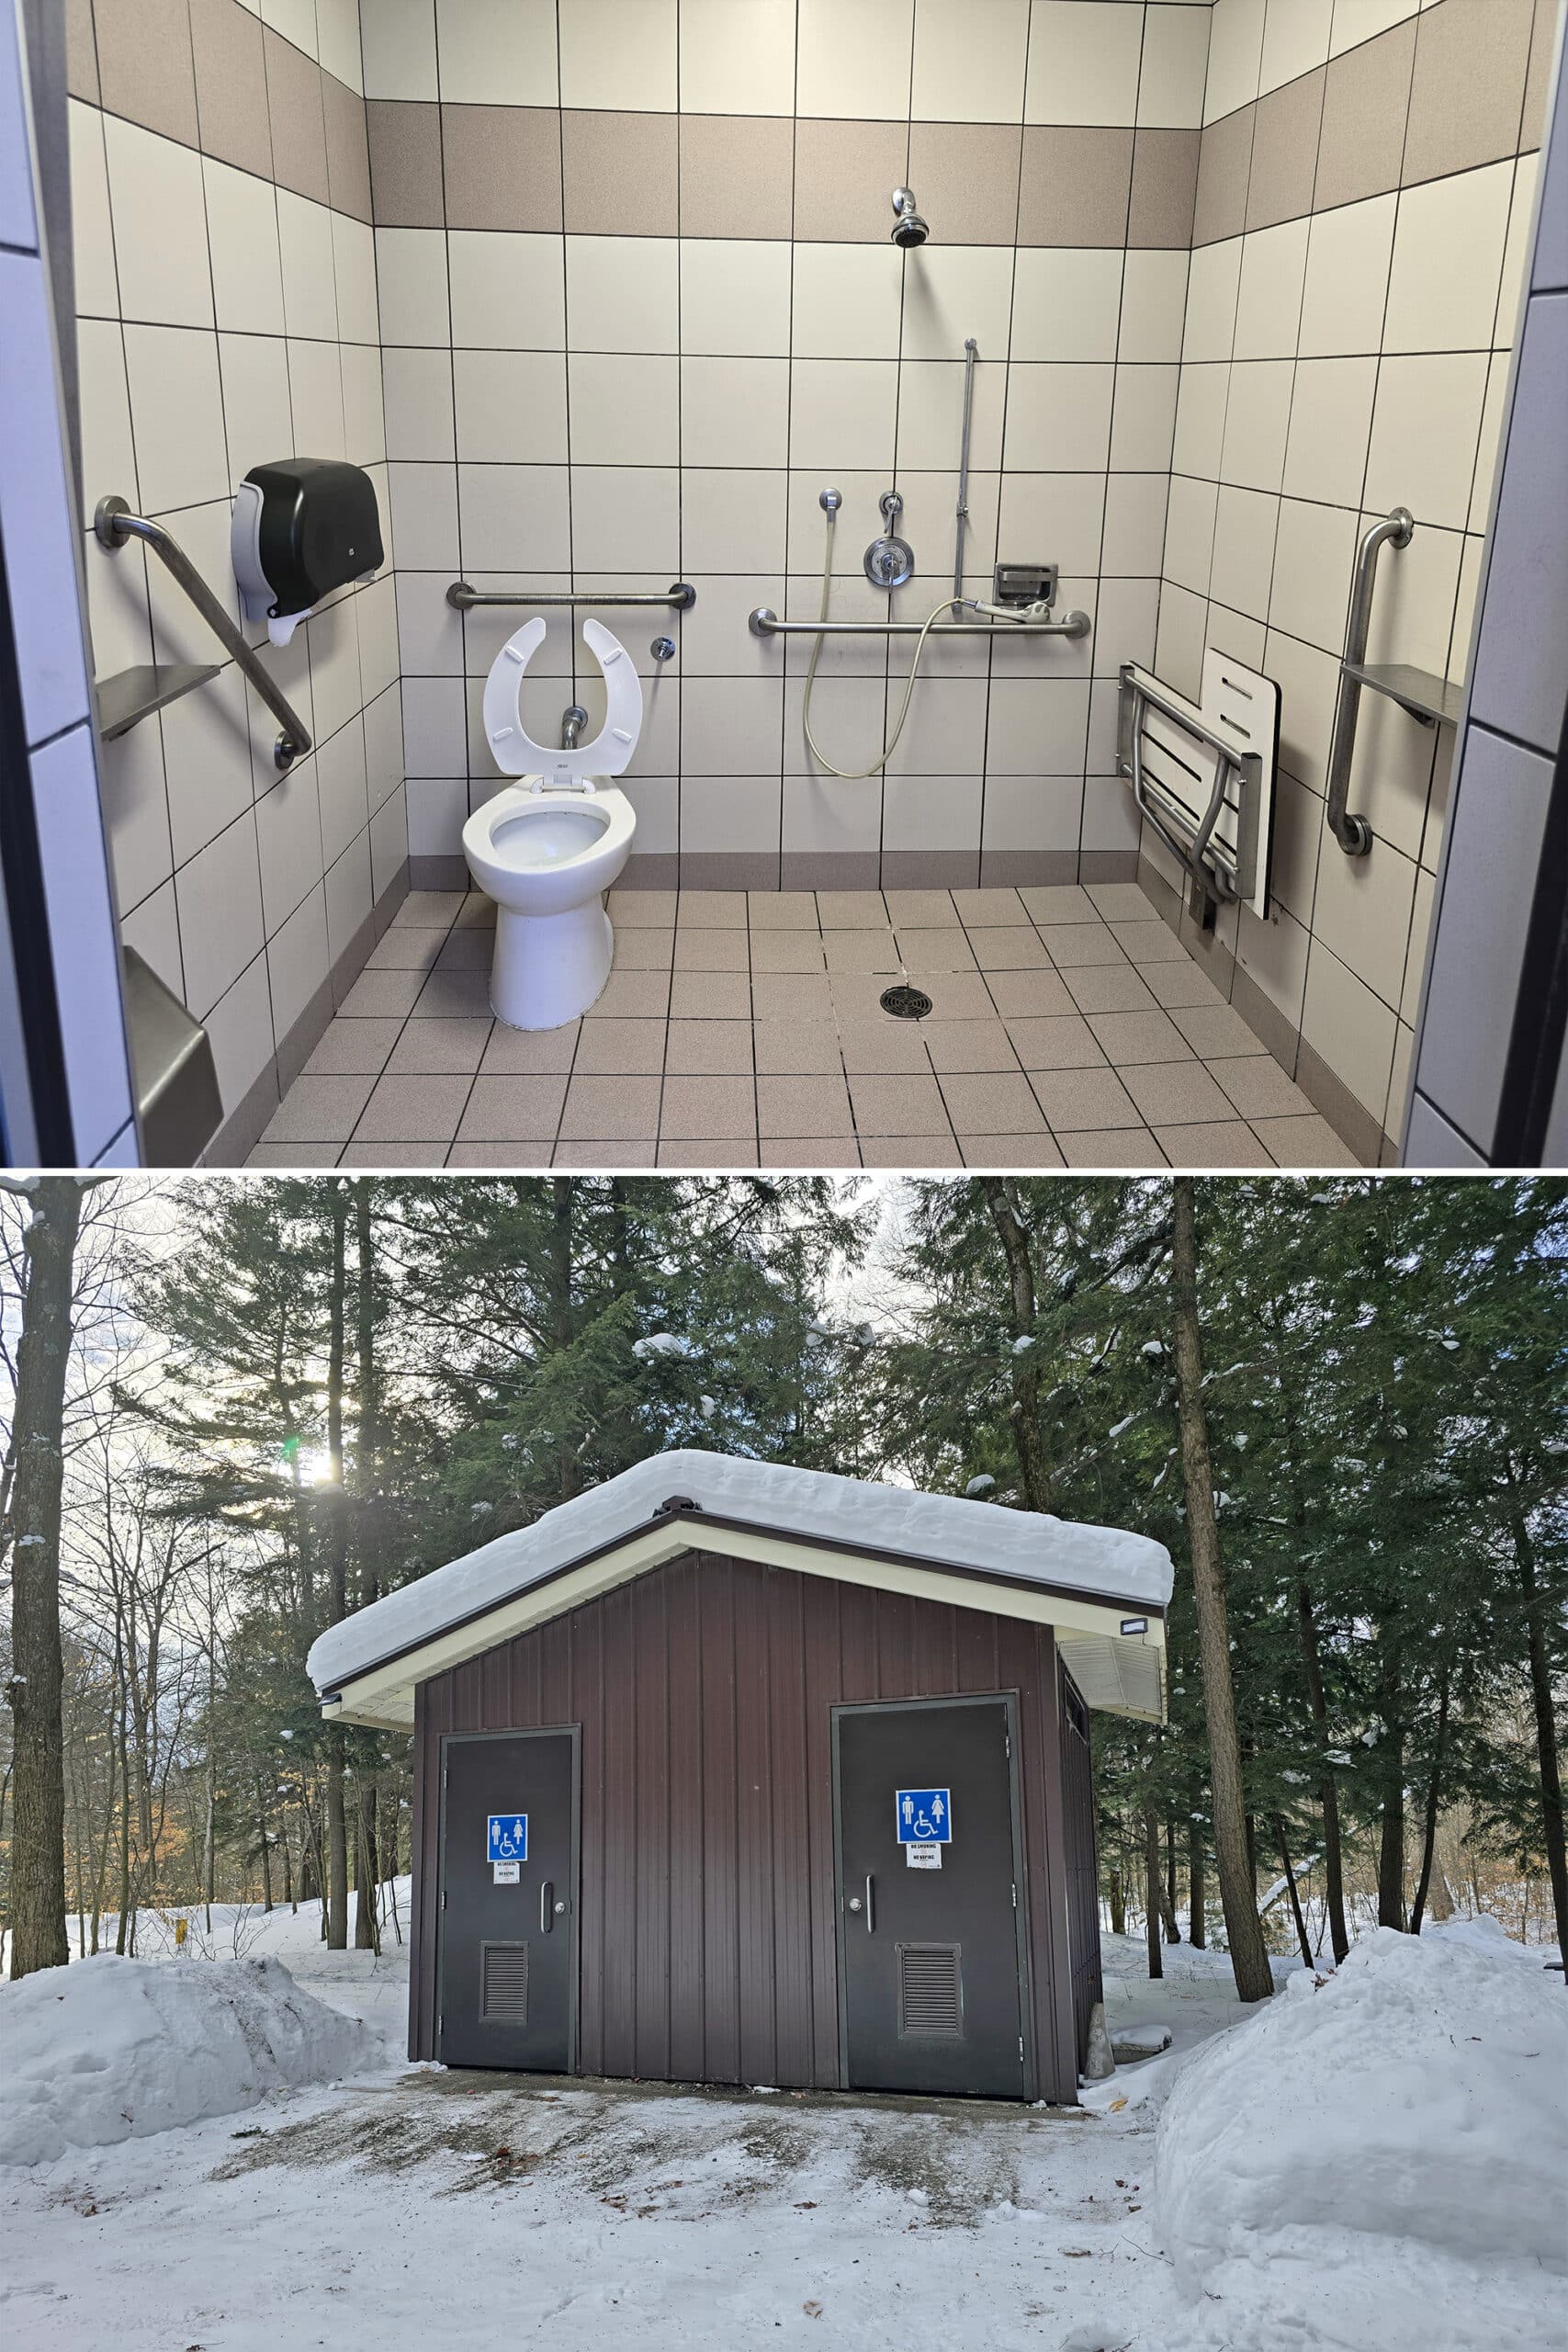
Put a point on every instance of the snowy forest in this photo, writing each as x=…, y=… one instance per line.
x=277, y=1399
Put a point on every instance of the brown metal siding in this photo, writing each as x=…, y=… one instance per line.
x=1082, y=1866
x=703, y=1691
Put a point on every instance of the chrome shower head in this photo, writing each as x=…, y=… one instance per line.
x=909, y=228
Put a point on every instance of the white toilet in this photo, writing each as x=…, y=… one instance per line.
x=547, y=849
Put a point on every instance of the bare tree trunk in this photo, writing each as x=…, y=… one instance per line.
x=1545, y=1725
x=1025, y=1411
x=1152, y=1890
x=1172, y=1932
x=365, y=1871
x=37, y=1789
x=1434, y=1799
x=1329, y=1795
x=1302, y=1938
x=1118, y=1905
x=337, y=1591
x=1250, y=1956
x=1196, y=1931
x=266, y=1849
x=1390, y=1844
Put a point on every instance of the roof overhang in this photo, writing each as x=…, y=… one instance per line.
x=1120, y=1672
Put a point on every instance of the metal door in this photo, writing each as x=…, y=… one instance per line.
x=931, y=1961
x=506, y=1981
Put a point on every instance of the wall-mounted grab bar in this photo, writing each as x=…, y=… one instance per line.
x=113, y=523
x=1354, y=834
x=680, y=596
x=764, y=623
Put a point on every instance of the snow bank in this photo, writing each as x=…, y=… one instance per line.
x=942, y=1529
x=1382, y=2153
x=115, y=2049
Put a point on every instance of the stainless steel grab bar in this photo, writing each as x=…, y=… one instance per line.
x=113, y=523
x=764, y=623
x=1354, y=834
x=680, y=596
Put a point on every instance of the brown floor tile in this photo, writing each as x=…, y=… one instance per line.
x=735, y=1153
x=439, y=1048
x=790, y=951
x=897, y=1107
x=610, y=1152
x=413, y=1109
x=967, y=1046
x=1112, y=1148
x=1127, y=1037
x=708, y=1048
x=883, y=1047
x=803, y=1106
x=703, y=1108
x=1058, y=903
x=1174, y=984
x=382, y=995
x=982, y=910
x=908, y=1151
x=851, y=911
x=427, y=909
x=359, y=1154
x=1259, y=1089
x=451, y=995
x=863, y=951
x=1174, y=1093
x=521, y=1151
x=620, y=1049
x=710, y=996
x=609, y=1107
x=1010, y=1151
x=711, y=910
x=642, y=909
x=791, y=996
x=477, y=912
x=1120, y=901
x=921, y=909
x=1149, y=942
x=469, y=950
x=319, y=1110
x=1075, y=944
x=956, y=995
x=1023, y=995
x=632, y=996
x=1212, y=1030
x=294, y=1155
x=1304, y=1142
x=644, y=951
x=782, y=909
x=1110, y=988
x=937, y=950
x=990, y=1102
x=1008, y=947
x=530, y=1053
x=790, y=1048
x=348, y=1048
x=1073, y=1098
x=403, y=949
x=1214, y=1143
x=711, y=950
x=809, y=1151
x=1060, y=1041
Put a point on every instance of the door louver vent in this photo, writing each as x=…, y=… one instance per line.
x=503, y=1990
x=930, y=1989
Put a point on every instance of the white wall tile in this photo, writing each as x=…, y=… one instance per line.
x=499, y=52
x=1426, y=431
x=618, y=55
x=1344, y=1021
x=1153, y=305
x=1235, y=56
x=296, y=962
x=1448, y=261
x=624, y=411
x=970, y=62
x=177, y=413
x=625, y=515
x=1212, y=289
x=240, y=1026
x=1055, y=518
x=1083, y=62
x=955, y=292
x=1295, y=40
x=97, y=289
x=1257, y=419
x=508, y=289
x=310, y=288
x=397, y=46
x=315, y=394
x=1345, y=287
x=1312, y=573
x=736, y=412
x=353, y=276
x=847, y=301
x=511, y=406
x=337, y=37
x=1058, y=418
x=1066, y=302
x=842, y=413
x=87, y=975
x=160, y=215
x=288, y=841
x=623, y=293
x=737, y=60
x=853, y=58
x=241, y=230
x=1175, y=67
x=1269, y=299
x=410, y=274
x=735, y=297
x=1144, y=419
x=1331, y=423
x=220, y=900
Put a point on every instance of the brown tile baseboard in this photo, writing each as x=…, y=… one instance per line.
x=438, y=873
x=1351, y=1121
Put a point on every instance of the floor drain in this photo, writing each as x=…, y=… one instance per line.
x=906, y=1003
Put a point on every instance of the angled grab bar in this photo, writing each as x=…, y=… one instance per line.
x=113, y=523
x=1354, y=834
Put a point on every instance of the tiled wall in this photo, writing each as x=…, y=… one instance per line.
x=1363, y=210
x=226, y=286
x=67, y=1095
x=639, y=304
x=1491, y=1084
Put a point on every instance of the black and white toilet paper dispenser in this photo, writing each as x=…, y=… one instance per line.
x=301, y=527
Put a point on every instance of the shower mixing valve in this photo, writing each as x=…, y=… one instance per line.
x=890, y=560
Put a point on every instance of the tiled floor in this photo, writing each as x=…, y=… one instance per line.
x=1068, y=1027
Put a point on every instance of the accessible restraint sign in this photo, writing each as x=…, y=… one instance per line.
x=924, y=1817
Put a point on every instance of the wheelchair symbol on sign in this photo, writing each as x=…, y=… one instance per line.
x=924, y=1817
x=507, y=1837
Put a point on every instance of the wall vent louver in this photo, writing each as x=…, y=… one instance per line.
x=930, y=1989
x=504, y=1983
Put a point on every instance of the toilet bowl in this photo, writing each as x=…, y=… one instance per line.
x=546, y=848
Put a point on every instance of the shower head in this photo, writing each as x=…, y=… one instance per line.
x=909, y=228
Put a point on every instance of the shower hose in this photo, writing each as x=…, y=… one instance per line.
x=857, y=776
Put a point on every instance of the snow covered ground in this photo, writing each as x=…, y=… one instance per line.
x=371, y=2212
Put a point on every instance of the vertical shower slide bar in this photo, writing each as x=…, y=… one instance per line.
x=971, y=353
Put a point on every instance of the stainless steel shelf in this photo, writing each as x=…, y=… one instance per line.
x=134, y=695
x=1437, y=702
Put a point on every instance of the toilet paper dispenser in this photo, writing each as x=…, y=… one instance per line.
x=302, y=527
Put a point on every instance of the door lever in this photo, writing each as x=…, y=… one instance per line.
x=546, y=1910
x=870, y=1905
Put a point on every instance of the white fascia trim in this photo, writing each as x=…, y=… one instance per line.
x=383, y=1697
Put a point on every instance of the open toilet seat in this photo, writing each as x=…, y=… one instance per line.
x=552, y=769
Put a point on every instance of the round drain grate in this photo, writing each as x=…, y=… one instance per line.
x=906, y=1003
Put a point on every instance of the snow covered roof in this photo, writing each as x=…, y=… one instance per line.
x=1081, y=1578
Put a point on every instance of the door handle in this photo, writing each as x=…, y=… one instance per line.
x=870, y=1905
x=547, y=1912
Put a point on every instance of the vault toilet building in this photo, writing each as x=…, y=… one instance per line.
x=726, y=1772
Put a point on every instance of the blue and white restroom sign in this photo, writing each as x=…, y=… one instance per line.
x=508, y=1837
x=925, y=1825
